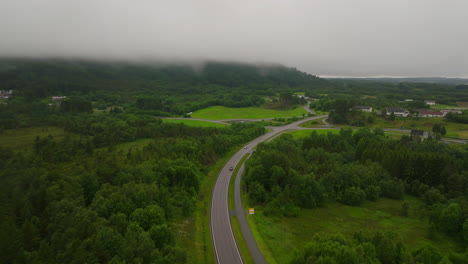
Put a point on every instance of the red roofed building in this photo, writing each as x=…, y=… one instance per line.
x=428, y=113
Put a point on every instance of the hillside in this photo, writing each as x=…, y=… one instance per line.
x=40, y=78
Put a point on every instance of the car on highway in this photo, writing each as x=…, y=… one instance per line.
x=231, y=168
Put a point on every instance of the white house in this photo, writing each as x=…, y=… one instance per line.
x=429, y=102
x=367, y=109
x=397, y=111
x=5, y=94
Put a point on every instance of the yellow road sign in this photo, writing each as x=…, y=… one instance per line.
x=251, y=211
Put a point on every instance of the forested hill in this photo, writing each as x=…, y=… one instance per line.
x=41, y=78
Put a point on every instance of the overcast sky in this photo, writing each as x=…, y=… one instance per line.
x=322, y=37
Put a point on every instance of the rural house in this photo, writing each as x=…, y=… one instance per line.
x=361, y=108
x=429, y=102
x=397, y=111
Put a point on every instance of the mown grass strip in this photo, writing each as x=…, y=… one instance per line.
x=203, y=244
x=245, y=253
x=241, y=244
x=204, y=252
x=232, y=205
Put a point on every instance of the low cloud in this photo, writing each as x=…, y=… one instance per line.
x=323, y=37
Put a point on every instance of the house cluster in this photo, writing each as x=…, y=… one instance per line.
x=305, y=97
x=400, y=112
x=5, y=94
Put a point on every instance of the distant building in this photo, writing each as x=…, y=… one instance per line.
x=430, y=102
x=397, y=111
x=58, y=98
x=408, y=100
x=445, y=112
x=5, y=94
x=367, y=109
x=428, y=113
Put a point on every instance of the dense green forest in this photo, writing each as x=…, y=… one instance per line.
x=84, y=198
x=81, y=200
x=286, y=175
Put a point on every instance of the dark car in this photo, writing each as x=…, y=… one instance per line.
x=231, y=168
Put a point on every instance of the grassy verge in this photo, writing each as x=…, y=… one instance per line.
x=203, y=252
x=195, y=123
x=221, y=112
x=22, y=139
x=283, y=236
x=245, y=253
x=254, y=230
x=261, y=243
x=231, y=201
x=314, y=123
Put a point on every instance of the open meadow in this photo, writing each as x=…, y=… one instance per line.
x=282, y=237
x=21, y=139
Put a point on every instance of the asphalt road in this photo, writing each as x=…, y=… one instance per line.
x=225, y=246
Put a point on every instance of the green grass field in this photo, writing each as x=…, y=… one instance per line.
x=221, y=112
x=195, y=123
x=23, y=138
x=443, y=106
x=282, y=237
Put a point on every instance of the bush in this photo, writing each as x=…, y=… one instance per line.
x=353, y=196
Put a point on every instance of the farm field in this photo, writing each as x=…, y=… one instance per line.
x=221, y=112
x=282, y=237
x=196, y=123
x=21, y=139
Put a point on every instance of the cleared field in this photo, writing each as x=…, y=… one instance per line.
x=23, y=138
x=462, y=104
x=195, y=123
x=221, y=112
x=284, y=236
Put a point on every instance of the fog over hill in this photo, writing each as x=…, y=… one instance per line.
x=323, y=37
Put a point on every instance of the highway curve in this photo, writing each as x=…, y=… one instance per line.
x=224, y=243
